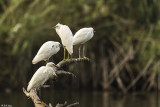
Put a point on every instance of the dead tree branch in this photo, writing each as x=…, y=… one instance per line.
x=33, y=95
x=63, y=63
x=36, y=100
x=65, y=104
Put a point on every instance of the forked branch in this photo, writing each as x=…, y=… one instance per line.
x=36, y=100
x=33, y=95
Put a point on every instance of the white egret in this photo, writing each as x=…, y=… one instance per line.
x=46, y=51
x=81, y=37
x=66, y=36
x=41, y=76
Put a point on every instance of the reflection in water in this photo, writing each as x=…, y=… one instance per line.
x=85, y=98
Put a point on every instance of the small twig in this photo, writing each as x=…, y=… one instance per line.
x=62, y=105
x=62, y=72
x=63, y=63
x=74, y=104
x=46, y=86
x=65, y=104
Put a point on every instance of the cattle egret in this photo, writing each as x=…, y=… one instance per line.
x=46, y=51
x=66, y=36
x=41, y=76
x=81, y=37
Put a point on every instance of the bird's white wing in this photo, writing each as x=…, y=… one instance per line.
x=43, y=53
x=50, y=48
x=89, y=36
x=44, y=49
x=81, y=37
x=37, y=78
x=67, y=38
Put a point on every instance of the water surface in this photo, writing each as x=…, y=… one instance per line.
x=85, y=98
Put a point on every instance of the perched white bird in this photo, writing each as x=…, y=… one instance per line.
x=66, y=36
x=82, y=36
x=41, y=76
x=46, y=51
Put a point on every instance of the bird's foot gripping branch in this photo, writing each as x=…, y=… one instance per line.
x=58, y=70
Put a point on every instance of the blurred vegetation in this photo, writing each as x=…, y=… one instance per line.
x=123, y=27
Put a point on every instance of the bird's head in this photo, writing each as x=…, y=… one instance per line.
x=50, y=64
x=59, y=45
x=57, y=26
x=93, y=31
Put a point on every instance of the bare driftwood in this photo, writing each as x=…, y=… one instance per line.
x=33, y=95
x=65, y=104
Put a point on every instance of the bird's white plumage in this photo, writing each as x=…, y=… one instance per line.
x=41, y=76
x=83, y=35
x=66, y=36
x=48, y=49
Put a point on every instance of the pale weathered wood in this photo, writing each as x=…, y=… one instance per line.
x=36, y=100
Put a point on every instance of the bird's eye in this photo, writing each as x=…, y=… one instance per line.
x=53, y=46
x=57, y=27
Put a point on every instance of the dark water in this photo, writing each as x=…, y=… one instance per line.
x=85, y=98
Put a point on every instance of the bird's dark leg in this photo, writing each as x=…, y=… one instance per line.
x=68, y=55
x=64, y=53
x=79, y=51
x=47, y=61
x=83, y=52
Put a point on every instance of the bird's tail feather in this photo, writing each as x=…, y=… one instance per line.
x=70, y=50
x=35, y=60
x=28, y=88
